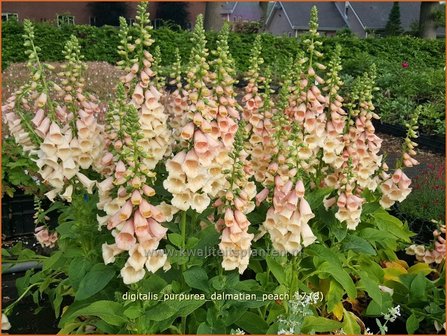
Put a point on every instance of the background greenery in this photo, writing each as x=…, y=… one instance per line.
x=402, y=88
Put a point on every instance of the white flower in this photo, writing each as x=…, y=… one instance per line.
x=86, y=182
x=137, y=257
x=5, y=323
x=131, y=275
x=67, y=194
x=109, y=252
x=156, y=260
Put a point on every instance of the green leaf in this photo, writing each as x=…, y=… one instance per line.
x=314, y=324
x=324, y=253
x=315, y=197
x=176, y=239
x=334, y=295
x=5, y=253
x=94, y=281
x=421, y=267
x=186, y=307
x=196, y=277
x=341, y=276
x=204, y=329
x=393, y=225
x=376, y=236
x=252, y=323
x=276, y=269
x=350, y=325
x=160, y=312
x=209, y=237
x=357, y=244
x=374, y=309
x=109, y=311
x=192, y=242
x=133, y=312
x=417, y=288
x=412, y=324
x=76, y=271
x=51, y=261
x=153, y=284
x=371, y=287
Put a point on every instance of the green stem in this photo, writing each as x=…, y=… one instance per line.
x=11, y=306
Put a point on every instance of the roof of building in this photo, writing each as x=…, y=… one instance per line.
x=228, y=7
x=298, y=14
x=374, y=15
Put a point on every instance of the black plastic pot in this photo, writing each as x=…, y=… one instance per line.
x=23, y=319
x=434, y=143
x=17, y=215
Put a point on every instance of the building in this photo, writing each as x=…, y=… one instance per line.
x=241, y=11
x=78, y=12
x=292, y=18
x=362, y=18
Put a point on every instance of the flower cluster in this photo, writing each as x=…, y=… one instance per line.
x=44, y=237
x=138, y=138
x=66, y=136
x=235, y=203
x=434, y=255
x=257, y=113
x=273, y=149
x=177, y=104
x=195, y=173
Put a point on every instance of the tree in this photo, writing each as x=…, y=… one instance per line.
x=107, y=13
x=427, y=20
x=213, y=16
x=264, y=11
x=175, y=12
x=393, y=26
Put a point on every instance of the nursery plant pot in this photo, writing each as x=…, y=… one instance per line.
x=433, y=143
x=17, y=215
x=24, y=320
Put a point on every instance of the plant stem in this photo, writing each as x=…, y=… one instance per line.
x=183, y=233
x=11, y=306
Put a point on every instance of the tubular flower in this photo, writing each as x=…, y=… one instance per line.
x=124, y=196
x=137, y=139
x=434, y=255
x=177, y=107
x=65, y=135
x=195, y=172
x=233, y=204
x=257, y=113
x=287, y=219
x=395, y=188
x=143, y=86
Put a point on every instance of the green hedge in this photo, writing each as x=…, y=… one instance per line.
x=99, y=44
x=402, y=88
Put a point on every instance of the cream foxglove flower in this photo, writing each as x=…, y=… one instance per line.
x=109, y=251
x=137, y=257
x=67, y=193
x=131, y=275
x=156, y=260
x=86, y=182
x=5, y=323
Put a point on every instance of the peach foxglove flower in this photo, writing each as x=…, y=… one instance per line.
x=41, y=100
x=125, y=240
x=156, y=229
x=126, y=211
